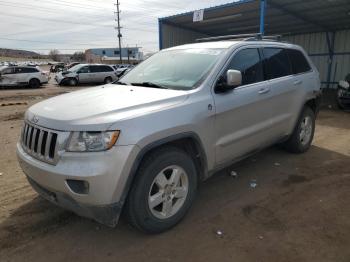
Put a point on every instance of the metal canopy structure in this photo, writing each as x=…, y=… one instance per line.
x=273, y=17
x=322, y=27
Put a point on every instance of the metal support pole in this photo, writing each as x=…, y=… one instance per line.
x=160, y=29
x=262, y=17
x=330, y=45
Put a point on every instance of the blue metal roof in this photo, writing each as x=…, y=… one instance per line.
x=235, y=3
x=282, y=17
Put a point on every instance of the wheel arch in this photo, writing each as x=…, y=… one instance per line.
x=189, y=142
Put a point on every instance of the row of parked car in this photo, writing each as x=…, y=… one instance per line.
x=22, y=63
x=72, y=74
x=91, y=74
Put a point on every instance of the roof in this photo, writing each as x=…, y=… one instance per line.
x=228, y=44
x=282, y=17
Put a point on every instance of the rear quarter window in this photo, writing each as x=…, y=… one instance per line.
x=276, y=63
x=298, y=61
x=106, y=69
x=100, y=68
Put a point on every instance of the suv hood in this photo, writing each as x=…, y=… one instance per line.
x=96, y=109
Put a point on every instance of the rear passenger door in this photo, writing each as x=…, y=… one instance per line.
x=21, y=75
x=242, y=122
x=97, y=75
x=286, y=89
x=286, y=70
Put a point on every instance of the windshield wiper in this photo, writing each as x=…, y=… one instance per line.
x=149, y=84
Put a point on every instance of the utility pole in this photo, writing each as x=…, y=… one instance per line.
x=119, y=34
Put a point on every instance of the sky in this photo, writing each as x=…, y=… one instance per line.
x=77, y=25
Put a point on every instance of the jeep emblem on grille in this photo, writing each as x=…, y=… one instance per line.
x=35, y=119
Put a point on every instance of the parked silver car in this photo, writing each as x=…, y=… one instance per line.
x=87, y=74
x=22, y=76
x=143, y=143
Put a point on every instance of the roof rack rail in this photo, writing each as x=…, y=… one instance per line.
x=228, y=37
x=244, y=37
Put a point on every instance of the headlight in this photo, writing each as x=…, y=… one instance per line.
x=92, y=141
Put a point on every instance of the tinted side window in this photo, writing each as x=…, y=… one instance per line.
x=84, y=69
x=248, y=62
x=26, y=70
x=298, y=61
x=276, y=63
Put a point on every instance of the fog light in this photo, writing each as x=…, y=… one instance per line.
x=78, y=186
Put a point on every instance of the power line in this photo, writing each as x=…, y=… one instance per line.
x=26, y=6
x=73, y=22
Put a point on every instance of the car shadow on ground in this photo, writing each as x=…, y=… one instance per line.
x=223, y=202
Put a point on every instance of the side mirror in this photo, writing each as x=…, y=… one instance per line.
x=226, y=83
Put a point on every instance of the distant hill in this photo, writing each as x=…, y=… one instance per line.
x=18, y=53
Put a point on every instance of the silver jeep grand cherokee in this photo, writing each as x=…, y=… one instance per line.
x=142, y=144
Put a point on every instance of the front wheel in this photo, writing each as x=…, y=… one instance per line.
x=163, y=192
x=302, y=136
x=72, y=82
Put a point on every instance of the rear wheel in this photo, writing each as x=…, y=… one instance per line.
x=301, y=139
x=163, y=192
x=339, y=95
x=108, y=80
x=34, y=83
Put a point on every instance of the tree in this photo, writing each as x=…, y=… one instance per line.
x=54, y=55
x=78, y=57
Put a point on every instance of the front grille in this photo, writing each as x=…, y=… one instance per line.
x=39, y=142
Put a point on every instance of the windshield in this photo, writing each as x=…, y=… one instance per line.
x=75, y=68
x=174, y=69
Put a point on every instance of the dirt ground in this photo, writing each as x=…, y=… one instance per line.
x=299, y=210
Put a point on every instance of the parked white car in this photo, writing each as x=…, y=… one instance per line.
x=87, y=74
x=22, y=76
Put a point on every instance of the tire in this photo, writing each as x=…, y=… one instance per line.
x=142, y=210
x=72, y=82
x=340, y=105
x=34, y=83
x=302, y=136
x=108, y=80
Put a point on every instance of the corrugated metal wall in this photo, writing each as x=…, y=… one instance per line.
x=316, y=45
x=173, y=36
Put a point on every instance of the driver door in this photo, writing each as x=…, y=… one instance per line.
x=243, y=114
x=84, y=74
x=8, y=77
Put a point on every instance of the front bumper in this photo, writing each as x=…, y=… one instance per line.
x=106, y=174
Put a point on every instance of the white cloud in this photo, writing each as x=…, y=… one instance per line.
x=81, y=24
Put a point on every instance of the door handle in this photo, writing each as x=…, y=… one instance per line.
x=298, y=82
x=264, y=90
